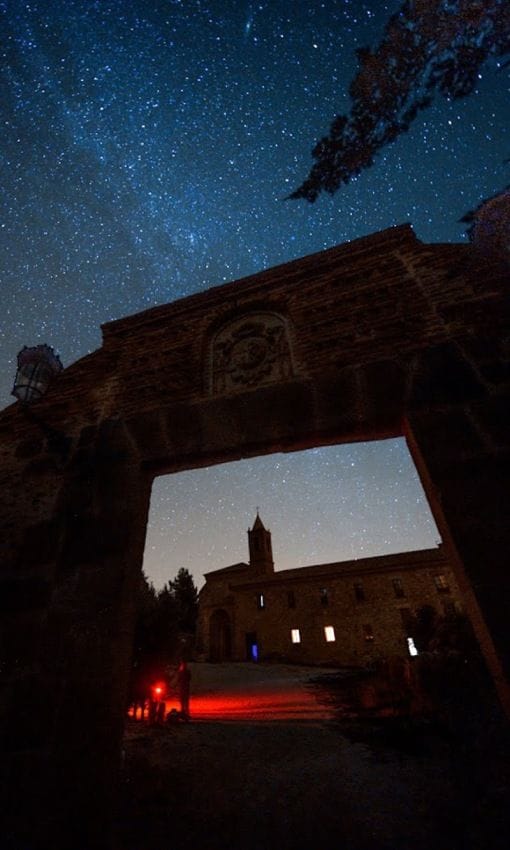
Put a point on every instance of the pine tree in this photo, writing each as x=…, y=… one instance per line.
x=185, y=595
x=163, y=619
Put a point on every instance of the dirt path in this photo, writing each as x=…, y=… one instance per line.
x=254, y=692
x=290, y=784
x=286, y=785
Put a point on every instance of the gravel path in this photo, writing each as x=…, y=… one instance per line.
x=290, y=783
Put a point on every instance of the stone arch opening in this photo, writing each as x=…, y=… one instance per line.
x=339, y=502
x=319, y=510
x=391, y=336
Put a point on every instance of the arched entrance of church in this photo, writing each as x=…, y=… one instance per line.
x=220, y=635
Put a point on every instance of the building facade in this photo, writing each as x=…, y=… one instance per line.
x=346, y=613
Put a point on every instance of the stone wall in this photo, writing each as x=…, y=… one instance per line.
x=375, y=338
x=380, y=609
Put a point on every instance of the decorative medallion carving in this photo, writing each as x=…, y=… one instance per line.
x=249, y=351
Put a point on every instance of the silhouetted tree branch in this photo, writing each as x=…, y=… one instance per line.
x=429, y=46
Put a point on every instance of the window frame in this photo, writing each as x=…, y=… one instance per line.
x=295, y=637
x=329, y=634
x=359, y=591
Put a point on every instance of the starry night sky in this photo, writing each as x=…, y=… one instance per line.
x=146, y=150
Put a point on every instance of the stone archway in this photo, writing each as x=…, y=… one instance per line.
x=380, y=337
x=220, y=636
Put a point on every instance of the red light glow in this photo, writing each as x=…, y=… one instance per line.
x=260, y=704
x=293, y=705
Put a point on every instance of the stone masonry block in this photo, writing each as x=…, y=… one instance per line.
x=39, y=543
x=492, y=416
x=444, y=376
x=446, y=436
x=339, y=401
x=383, y=386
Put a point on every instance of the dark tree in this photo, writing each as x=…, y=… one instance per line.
x=451, y=675
x=442, y=634
x=146, y=620
x=146, y=658
x=185, y=596
x=162, y=615
x=167, y=625
x=429, y=46
x=422, y=626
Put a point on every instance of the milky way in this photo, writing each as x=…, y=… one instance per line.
x=147, y=148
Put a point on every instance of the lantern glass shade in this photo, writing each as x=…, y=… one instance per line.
x=37, y=367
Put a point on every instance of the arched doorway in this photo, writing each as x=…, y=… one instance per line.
x=220, y=636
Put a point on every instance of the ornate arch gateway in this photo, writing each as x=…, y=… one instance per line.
x=380, y=337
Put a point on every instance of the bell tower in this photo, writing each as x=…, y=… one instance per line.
x=261, y=550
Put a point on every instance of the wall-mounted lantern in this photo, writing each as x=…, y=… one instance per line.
x=37, y=366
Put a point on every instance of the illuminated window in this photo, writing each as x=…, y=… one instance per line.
x=411, y=647
x=441, y=583
x=359, y=591
x=324, y=597
x=398, y=588
x=295, y=636
x=368, y=633
x=291, y=599
x=261, y=602
x=329, y=634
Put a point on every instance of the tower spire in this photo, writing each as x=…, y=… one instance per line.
x=259, y=544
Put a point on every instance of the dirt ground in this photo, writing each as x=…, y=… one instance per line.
x=253, y=692
x=267, y=763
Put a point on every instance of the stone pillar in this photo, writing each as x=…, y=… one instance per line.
x=68, y=706
x=459, y=438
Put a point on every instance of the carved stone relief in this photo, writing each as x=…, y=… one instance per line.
x=250, y=351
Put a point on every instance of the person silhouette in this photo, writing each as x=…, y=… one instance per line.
x=183, y=685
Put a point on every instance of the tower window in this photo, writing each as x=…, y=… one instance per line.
x=291, y=599
x=359, y=591
x=329, y=634
x=295, y=636
x=261, y=602
x=324, y=597
x=398, y=588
